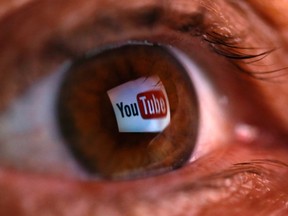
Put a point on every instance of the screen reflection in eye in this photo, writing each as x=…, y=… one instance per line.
x=157, y=97
x=159, y=82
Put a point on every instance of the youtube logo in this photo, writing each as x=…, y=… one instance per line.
x=141, y=105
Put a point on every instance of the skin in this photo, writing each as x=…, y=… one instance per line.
x=235, y=173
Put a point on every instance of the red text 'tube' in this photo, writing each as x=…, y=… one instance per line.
x=152, y=104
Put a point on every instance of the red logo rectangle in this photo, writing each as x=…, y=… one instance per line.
x=152, y=104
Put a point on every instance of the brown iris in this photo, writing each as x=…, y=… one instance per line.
x=88, y=124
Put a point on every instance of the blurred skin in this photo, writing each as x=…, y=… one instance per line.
x=240, y=175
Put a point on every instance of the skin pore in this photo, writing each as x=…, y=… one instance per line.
x=241, y=47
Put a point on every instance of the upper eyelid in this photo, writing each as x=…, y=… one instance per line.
x=195, y=25
x=225, y=43
x=190, y=24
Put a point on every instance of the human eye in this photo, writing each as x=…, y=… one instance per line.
x=238, y=165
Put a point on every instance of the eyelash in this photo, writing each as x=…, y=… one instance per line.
x=228, y=47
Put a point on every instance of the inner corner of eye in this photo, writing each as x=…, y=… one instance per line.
x=129, y=111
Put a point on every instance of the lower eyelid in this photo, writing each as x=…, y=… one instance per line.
x=187, y=188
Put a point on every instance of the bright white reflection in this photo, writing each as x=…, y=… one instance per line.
x=141, y=105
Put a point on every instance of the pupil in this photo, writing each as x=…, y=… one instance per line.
x=128, y=112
